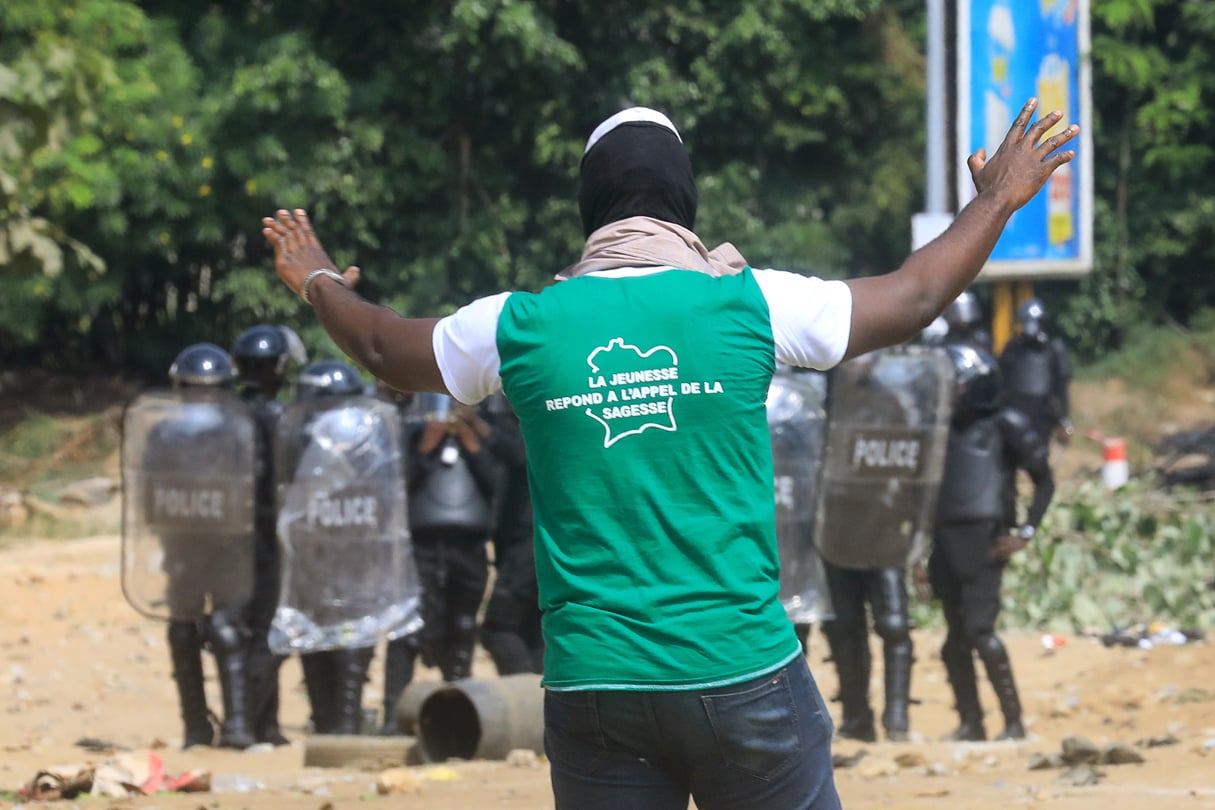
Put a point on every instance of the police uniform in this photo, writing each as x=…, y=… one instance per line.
x=987, y=445
x=451, y=495
x=510, y=629
x=1037, y=372
x=263, y=664
x=262, y=354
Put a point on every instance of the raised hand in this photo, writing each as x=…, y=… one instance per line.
x=1022, y=165
x=297, y=251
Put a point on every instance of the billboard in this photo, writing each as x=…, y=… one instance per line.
x=1008, y=51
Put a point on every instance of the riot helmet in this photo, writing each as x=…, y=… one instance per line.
x=963, y=312
x=202, y=364
x=935, y=333
x=1032, y=317
x=976, y=382
x=328, y=378
x=262, y=353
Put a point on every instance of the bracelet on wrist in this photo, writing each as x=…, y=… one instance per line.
x=313, y=276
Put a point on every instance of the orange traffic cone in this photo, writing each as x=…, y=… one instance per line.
x=1114, y=472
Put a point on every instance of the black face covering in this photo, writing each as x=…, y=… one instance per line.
x=638, y=169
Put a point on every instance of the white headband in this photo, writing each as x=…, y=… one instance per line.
x=630, y=116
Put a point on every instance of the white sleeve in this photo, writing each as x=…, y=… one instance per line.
x=811, y=318
x=466, y=349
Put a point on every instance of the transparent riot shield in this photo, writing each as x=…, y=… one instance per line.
x=349, y=578
x=887, y=428
x=797, y=424
x=188, y=461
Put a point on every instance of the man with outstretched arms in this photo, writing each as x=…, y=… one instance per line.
x=639, y=382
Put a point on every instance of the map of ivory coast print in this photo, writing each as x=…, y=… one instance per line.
x=638, y=389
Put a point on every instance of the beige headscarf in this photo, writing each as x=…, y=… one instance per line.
x=648, y=242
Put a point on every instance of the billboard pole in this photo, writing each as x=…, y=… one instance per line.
x=937, y=118
x=936, y=216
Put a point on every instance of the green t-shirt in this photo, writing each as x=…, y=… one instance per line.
x=641, y=396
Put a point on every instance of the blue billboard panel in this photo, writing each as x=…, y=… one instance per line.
x=1010, y=50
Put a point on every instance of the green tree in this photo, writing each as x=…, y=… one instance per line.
x=110, y=157
x=438, y=146
x=1153, y=90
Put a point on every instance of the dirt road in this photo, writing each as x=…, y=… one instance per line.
x=76, y=661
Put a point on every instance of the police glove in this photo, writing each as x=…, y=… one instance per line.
x=1007, y=545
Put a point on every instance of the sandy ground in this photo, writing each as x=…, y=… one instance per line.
x=76, y=661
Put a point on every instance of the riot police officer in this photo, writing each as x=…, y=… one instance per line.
x=188, y=470
x=263, y=354
x=988, y=443
x=887, y=424
x=1037, y=373
x=451, y=490
x=510, y=630
x=335, y=668
x=452, y=477
x=964, y=317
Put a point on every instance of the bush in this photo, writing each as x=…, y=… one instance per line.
x=1111, y=560
x=1104, y=559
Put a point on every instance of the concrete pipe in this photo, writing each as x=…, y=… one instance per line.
x=405, y=714
x=482, y=719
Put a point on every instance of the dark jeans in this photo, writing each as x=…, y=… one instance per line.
x=763, y=744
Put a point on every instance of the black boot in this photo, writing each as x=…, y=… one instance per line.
x=264, y=700
x=999, y=672
x=320, y=680
x=399, y=660
x=263, y=664
x=960, y=668
x=228, y=646
x=461, y=642
x=185, y=652
x=850, y=651
x=351, y=675
x=895, y=717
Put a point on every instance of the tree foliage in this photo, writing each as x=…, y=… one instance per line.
x=437, y=145
x=1153, y=91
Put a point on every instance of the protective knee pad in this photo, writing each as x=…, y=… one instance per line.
x=989, y=647
x=465, y=626
x=226, y=633
x=893, y=628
